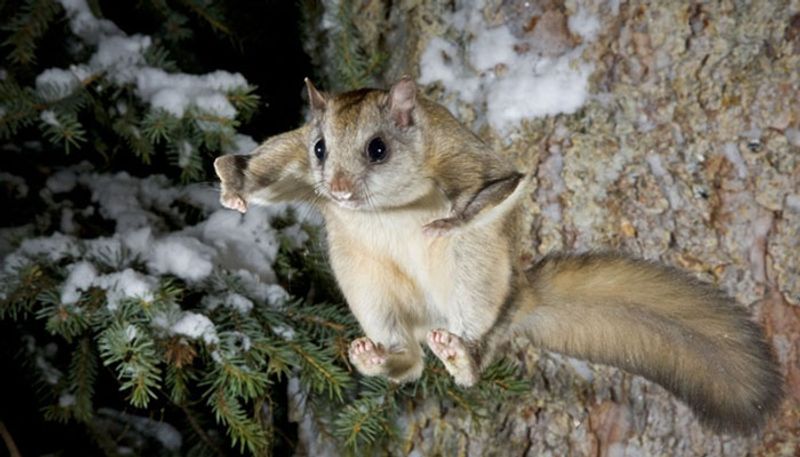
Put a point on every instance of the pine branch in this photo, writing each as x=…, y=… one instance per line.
x=502, y=380
x=63, y=128
x=175, y=28
x=280, y=356
x=237, y=379
x=27, y=27
x=243, y=431
x=363, y=423
x=133, y=137
x=319, y=372
x=159, y=57
x=82, y=374
x=19, y=108
x=67, y=321
x=159, y=126
x=21, y=289
x=354, y=67
x=133, y=351
x=321, y=320
x=245, y=100
x=177, y=380
x=209, y=12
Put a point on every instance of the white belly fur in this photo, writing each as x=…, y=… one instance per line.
x=418, y=286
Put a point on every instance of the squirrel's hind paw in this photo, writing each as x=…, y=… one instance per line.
x=369, y=358
x=452, y=351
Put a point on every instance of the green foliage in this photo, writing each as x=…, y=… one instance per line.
x=30, y=22
x=63, y=128
x=96, y=106
x=242, y=428
x=19, y=108
x=133, y=352
x=341, y=51
x=355, y=66
x=82, y=374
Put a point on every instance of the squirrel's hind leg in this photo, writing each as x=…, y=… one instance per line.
x=373, y=359
x=455, y=355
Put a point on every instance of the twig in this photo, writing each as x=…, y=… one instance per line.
x=10, y=445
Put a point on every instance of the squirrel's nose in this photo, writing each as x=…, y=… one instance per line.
x=341, y=186
x=341, y=195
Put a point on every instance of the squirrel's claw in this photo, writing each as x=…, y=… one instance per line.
x=441, y=227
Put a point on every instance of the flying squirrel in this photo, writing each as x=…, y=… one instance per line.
x=423, y=228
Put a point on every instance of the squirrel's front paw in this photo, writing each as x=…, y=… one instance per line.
x=369, y=358
x=441, y=227
x=233, y=201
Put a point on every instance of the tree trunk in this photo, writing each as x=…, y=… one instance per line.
x=687, y=152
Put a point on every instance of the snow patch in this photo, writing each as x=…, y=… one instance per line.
x=196, y=326
x=546, y=87
x=185, y=153
x=231, y=300
x=126, y=284
x=84, y=24
x=223, y=245
x=55, y=247
x=492, y=47
x=216, y=104
x=49, y=117
x=283, y=331
x=81, y=276
x=507, y=73
x=56, y=83
x=62, y=181
x=131, y=332
x=164, y=433
x=175, y=93
x=65, y=400
x=184, y=257
x=239, y=303
x=242, y=144
x=120, y=58
x=584, y=24
x=118, y=286
x=14, y=182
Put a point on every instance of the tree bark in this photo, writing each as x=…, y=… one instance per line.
x=688, y=152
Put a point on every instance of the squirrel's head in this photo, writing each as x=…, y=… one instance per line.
x=365, y=147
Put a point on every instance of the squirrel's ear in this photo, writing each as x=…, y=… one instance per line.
x=315, y=97
x=402, y=99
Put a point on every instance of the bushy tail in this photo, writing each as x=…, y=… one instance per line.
x=659, y=323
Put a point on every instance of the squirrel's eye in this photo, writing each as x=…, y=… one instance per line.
x=377, y=150
x=319, y=150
